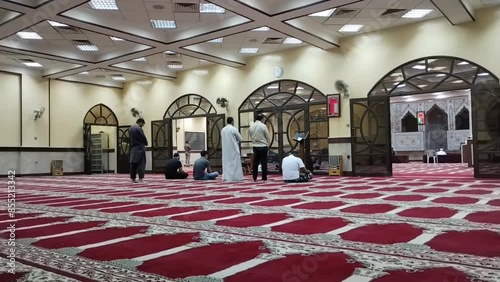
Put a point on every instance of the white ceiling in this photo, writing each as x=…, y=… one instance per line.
x=432, y=96
x=286, y=19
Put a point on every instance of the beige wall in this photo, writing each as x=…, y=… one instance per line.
x=9, y=101
x=35, y=96
x=70, y=102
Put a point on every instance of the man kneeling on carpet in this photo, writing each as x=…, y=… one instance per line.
x=294, y=169
x=199, y=168
x=173, y=170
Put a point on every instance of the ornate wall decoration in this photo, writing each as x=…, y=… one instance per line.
x=408, y=141
x=457, y=137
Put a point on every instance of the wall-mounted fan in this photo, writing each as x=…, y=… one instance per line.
x=222, y=102
x=136, y=113
x=38, y=113
x=342, y=87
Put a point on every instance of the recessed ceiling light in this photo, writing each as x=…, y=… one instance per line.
x=440, y=75
x=291, y=40
x=201, y=72
x=351, y=28
x=163, y=24
x=141, y=59
x=175, y=66
x=264, y=28
x=419, y=67
x=211, y=9
x=84, y=73
x=275, y=86
x=56, y=24
x=458, y=81
x=401, y=85
x=33, y=64
x=422, y=85
x=438, y=68
x=463, y=63
x=249, y=50
x=216, y=40
x=28, y=35
x=417, y=13
x=118, y=77
x=87, y=48
x=484, y=74
x=300, y=88
x=103, y=5
x=395, y=83
x=116, y=38
x=324, y=14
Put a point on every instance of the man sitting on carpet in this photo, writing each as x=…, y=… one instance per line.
x=173, y=170
x=199, y=168
x=294, y=169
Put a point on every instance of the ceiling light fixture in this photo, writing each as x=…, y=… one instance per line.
x=116, y=38
x=163, y=24
x=291, y=40
x=463, y=63
x=84, y=73
x=200, y=72
x=103, y=5
x=169, y=52
x=440, y=75
x=419, y=67
x=56, y=24
x=401, y=85
x=275, y=86
x=417, y=13
x=118, y=77
x=351, y=28
x=33, y=64
x=141, y=59
x=87, y=48
x=438, y=68
x=211, y=9
x=28, y=35
x=410, y=99
x=325, y=14
x=249, y=50
x=422, y=85
x=263, y=28
x=484, y=74
x=175, y=66
x=216, y=40
x=458, y=81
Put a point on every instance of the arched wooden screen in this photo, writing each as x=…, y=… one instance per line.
x=100, y=114
x=190, y=105
x=431, y=74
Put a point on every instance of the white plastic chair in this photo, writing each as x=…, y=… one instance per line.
x=431, y=154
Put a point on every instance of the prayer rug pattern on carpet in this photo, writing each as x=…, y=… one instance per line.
x=104, y=228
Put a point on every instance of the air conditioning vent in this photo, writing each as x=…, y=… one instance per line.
x=174, y=62
x=68, y=30
x=394, y=12
x=187, y=7
x=81, y=42
x=345, y=13
x=273, y=40
x=25, y=61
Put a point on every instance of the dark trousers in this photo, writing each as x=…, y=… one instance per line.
x=178, y=175
x=137, y=167
x=302, y=178
x=260, y=157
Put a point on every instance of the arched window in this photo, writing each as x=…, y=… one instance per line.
x=431, y=74
x=409, y=123
x=100, y=114
x=436, y=128
x=462, y=120
x=288, y=106
x=190, y=105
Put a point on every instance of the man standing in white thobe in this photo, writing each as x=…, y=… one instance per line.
x=231, y=158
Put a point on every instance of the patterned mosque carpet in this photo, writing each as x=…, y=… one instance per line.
x=399, y=229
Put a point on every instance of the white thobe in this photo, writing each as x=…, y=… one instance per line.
x=231, y=158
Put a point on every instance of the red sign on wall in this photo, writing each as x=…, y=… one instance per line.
x=333, y=105
x=421, y=118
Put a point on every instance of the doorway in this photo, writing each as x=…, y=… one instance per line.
x=205, y=132
x=100, y=140
x=451, y=99
x=288, y=107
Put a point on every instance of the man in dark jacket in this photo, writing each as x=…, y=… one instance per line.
x=138, y=143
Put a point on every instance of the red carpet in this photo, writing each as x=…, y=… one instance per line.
x=401, y=229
